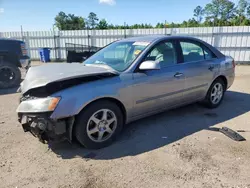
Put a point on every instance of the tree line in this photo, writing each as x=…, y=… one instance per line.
x=215, y=13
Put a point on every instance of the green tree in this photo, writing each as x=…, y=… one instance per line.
x=208, y=23
x=160, y=25
x=248, y=11
x=92, y=20
x=69, y=22
x=198, y=13
x=184, y=24
x=103, y=24
x=192, y=23
x=220, y=11
x=241, y=11
x=148, y=26
x=215, y=13
x=111, y=26
x=242, y=7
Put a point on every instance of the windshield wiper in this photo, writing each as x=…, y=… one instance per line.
x=100, y=62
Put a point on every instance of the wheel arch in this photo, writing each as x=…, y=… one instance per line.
x=111, y=99
x=206, y=100
x=10, y=58
x=223, y=78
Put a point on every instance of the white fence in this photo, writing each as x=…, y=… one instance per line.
x=233, y=41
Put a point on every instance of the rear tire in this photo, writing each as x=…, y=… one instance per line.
x=10, y=75
x=95, y=131
x=215, y=94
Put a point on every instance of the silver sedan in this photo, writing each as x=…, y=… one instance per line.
x=125, y=81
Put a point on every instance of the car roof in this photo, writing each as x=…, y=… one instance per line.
x=9, y=39
x=152, y=38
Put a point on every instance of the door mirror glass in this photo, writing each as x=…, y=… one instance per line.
x=150, y=65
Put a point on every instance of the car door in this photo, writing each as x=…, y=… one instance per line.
x=158, y=89
x=198, y=69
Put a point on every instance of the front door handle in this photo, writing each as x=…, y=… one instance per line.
x=178, y=75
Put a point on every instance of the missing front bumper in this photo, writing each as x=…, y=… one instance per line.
x=45, y=129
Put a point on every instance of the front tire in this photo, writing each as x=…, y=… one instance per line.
x=215, y=94
x=99, y=124
x=10, y=75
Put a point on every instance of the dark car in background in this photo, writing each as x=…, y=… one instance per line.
x=13, y=55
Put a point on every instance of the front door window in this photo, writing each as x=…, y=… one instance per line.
x=164, y=53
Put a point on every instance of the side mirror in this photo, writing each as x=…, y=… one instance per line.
x=150, y=65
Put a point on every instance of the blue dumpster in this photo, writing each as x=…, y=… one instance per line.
x=44, y=54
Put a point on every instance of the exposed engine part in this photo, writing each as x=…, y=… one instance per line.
x=45, y=129
x=41, y=125
x=35, y=131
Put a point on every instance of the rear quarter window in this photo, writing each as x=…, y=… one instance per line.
x=208, y=53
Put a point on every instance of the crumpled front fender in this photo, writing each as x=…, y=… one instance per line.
x=74, y=99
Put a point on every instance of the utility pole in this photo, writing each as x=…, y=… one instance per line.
x=165, y=27
x=125, y=30
x=22, y=33
x=55, y=42
x=88, y=37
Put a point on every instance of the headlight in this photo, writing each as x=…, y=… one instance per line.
x=38, y=105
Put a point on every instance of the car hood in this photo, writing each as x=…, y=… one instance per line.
x=40, y=76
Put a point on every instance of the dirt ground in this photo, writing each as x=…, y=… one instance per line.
x=173, y=149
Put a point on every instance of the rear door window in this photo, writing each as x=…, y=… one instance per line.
x=192, y=51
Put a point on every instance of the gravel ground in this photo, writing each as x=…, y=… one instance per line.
x=173, y=149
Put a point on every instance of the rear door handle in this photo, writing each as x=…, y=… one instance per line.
x=178, y=75
x=211, y=68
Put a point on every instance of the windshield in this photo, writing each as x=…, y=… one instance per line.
x=118, y=55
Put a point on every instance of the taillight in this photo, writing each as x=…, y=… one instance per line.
x=233, y=62
x=23, y=49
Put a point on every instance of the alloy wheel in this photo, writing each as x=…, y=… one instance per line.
x=101, y=125
x=216, y=93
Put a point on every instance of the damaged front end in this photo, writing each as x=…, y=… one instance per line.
x=45, y=129
x=42, y=95
x=34, y=115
